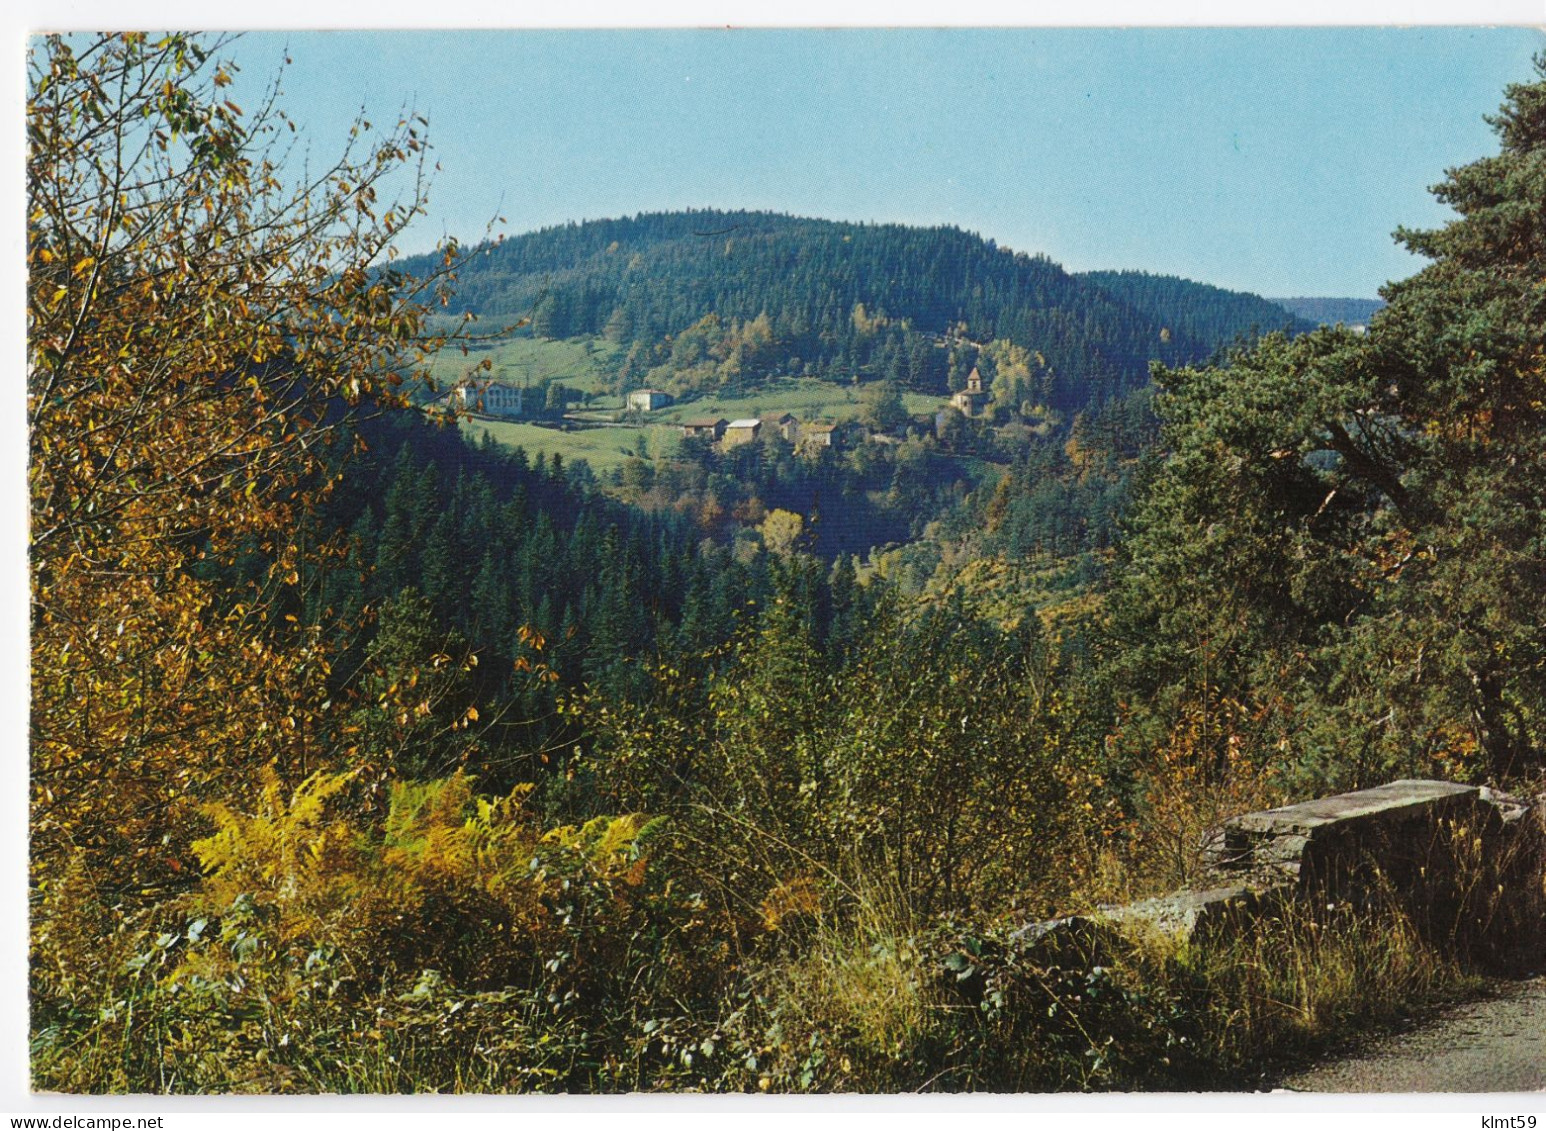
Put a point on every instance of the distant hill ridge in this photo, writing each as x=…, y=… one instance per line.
x=1330, y=311
x=1203, y=312
x=838, y=298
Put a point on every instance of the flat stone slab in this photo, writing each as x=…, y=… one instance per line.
x=1280, y=841
x=1412, y=839
x=1070, y=941
x=1409, y=797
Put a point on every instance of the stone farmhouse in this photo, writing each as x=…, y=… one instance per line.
x=742, y=431
x=816, y=436
x=785, y=424
x=819, y=436
x=711, y=427
x=648, y=400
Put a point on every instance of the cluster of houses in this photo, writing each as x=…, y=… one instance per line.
x=498, y=399
x=731, y=433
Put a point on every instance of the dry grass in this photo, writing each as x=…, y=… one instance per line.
x=854, y=981
x=1308, y=976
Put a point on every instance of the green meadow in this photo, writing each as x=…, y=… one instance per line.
x=586, y=364
x=602, y=448
x=808, y=398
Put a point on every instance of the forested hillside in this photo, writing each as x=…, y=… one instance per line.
x=1199, y=312
x=713, y=299
x=451, y=550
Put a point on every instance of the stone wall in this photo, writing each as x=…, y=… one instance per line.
x=1467, y=863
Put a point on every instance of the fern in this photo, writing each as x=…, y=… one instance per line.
x=274, y=848
x=443, y=873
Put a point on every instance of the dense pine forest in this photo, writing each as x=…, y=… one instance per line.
x=1207, y=315
x=367, y=758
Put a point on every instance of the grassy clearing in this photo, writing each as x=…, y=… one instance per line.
x=583, y=364
x=808, y=398
x=602, y=448
x=588, y=365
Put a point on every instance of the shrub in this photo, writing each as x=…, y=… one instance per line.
x=457, y=944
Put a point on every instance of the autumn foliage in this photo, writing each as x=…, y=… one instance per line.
x=196, y=333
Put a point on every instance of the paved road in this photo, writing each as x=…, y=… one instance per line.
x=1494, y=1045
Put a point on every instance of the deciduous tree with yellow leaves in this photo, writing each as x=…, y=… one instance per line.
x=205, y=309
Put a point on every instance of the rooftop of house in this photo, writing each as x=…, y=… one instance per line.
x=752, y=422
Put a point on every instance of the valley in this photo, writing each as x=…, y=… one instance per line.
x=720, y=650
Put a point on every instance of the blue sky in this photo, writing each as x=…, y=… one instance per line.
x=1271, y=160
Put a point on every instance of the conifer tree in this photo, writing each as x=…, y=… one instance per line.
x=1342, y=561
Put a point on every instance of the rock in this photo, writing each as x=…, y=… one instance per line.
x=1075, y=940
x=1319, y=841
x=1464, y=862
x=1192, y=915
x=1510, y=809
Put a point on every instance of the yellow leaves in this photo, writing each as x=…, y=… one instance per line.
x=272, y=846
x=798, y=895
x=169, y=430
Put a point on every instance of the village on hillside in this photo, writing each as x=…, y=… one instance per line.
x=495, y=399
